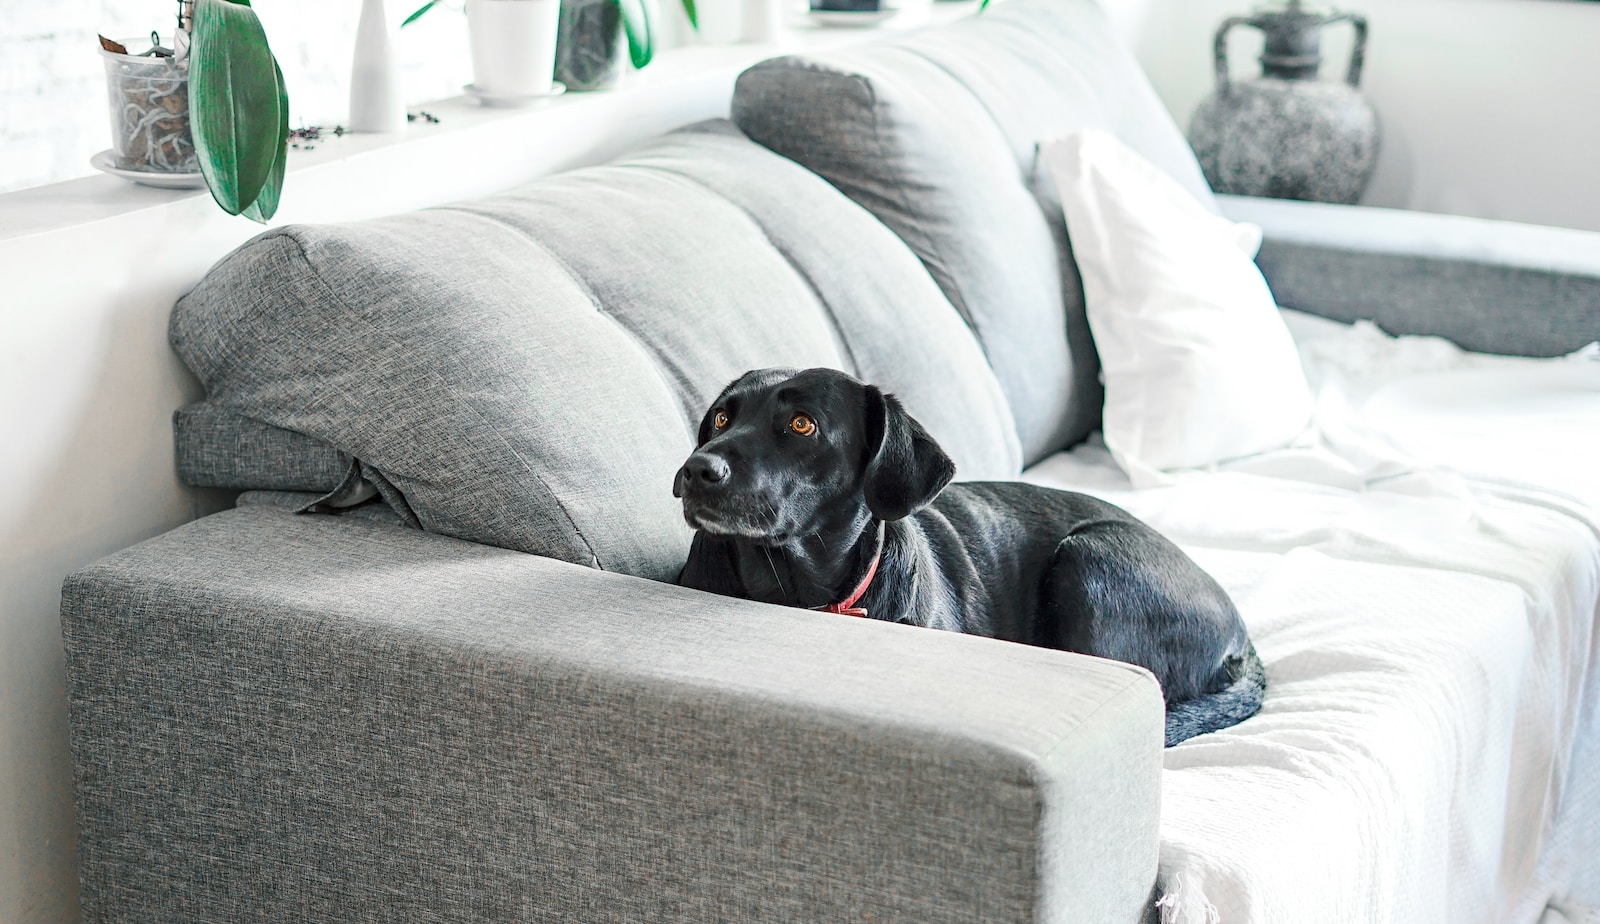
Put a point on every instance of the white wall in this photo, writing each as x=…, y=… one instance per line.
x=1488, y=107
x=52, y=81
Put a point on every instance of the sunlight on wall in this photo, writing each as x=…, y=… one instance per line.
x=52, y=83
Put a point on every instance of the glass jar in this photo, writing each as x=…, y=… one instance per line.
x=590, y=48
x=149, y=98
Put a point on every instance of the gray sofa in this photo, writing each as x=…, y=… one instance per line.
x=429, y=669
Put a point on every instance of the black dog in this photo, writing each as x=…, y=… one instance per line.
x=812, y=489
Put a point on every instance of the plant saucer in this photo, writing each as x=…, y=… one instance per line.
x=851, y=19
x=106, y=162
x=513, y=100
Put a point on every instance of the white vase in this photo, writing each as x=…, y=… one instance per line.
x=513, y=46
x=376, y=104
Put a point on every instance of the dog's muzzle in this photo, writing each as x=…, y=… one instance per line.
x=709, y=503
x=703, y=472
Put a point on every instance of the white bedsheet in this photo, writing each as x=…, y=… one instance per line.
x=1422, y=579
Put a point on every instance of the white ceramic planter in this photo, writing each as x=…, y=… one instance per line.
x=513, y=46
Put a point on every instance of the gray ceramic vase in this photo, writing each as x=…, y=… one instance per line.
x=1287, y=134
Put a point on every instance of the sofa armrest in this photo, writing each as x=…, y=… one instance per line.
x=279, y=717
x=1490, y=286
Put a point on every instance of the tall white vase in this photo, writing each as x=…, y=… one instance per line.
x=513, y=46
x=376, y=104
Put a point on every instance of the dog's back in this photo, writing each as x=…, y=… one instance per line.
x=1069, y=571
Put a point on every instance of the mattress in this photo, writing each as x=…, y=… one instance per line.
x=1421, y=575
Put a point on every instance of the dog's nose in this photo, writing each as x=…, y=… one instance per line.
x=703, y=469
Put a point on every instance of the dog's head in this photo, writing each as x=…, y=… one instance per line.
x=782, y=453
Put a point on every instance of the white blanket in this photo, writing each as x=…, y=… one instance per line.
x=1422, y=579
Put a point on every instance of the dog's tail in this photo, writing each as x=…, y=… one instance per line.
x=1232, y=704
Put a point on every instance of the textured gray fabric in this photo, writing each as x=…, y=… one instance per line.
x=219, y=449
x=894, y=326
x=280, y=718
x=936, y=133
x=295, y=501
x=822, y=275
x=527, y=370
x=1490, y=286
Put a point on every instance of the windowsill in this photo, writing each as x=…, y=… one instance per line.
x=505, y=145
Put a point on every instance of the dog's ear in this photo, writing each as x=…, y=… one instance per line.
x=907, y=469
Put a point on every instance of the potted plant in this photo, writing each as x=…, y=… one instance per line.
x=149, y=97
x=213, y=104
x=589, y=37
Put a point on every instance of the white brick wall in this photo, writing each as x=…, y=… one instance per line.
x=52, y=86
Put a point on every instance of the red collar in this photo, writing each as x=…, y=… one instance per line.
x=847, y=607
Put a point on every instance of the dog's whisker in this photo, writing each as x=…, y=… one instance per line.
x=774, y=566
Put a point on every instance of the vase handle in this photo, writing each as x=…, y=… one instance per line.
x=1219, y=49
x=1358, y=51
x=1358, y=48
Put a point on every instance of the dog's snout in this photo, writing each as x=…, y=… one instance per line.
x=705, y=469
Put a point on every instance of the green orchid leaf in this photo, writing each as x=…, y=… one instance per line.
x=235, y=98
x=694, y=15
x=266, y=203
x=641, y=32
x=418, y=14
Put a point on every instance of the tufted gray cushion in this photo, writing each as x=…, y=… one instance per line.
x=527, y=370
x=931, y=133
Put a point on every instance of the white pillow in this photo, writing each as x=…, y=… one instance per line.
x=1198, y=364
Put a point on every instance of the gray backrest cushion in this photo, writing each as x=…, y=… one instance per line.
x=216, y=448
x=527, y=370
x=935, y=132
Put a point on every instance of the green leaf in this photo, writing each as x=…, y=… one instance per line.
x=418, y=14
x=694, y=15
x=641, y=33
x=235, y=102
x=266, y=203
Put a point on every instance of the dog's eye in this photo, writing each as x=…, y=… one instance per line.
x=803, y=425
x=721, y=420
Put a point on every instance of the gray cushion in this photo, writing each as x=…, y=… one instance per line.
x=527, y=370
x=219, y=449
x=1488, y=286
x=936, y=132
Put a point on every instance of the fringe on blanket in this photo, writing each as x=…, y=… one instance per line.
x=1185, y=902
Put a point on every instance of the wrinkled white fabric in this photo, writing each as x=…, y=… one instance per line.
x=1423, y=583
